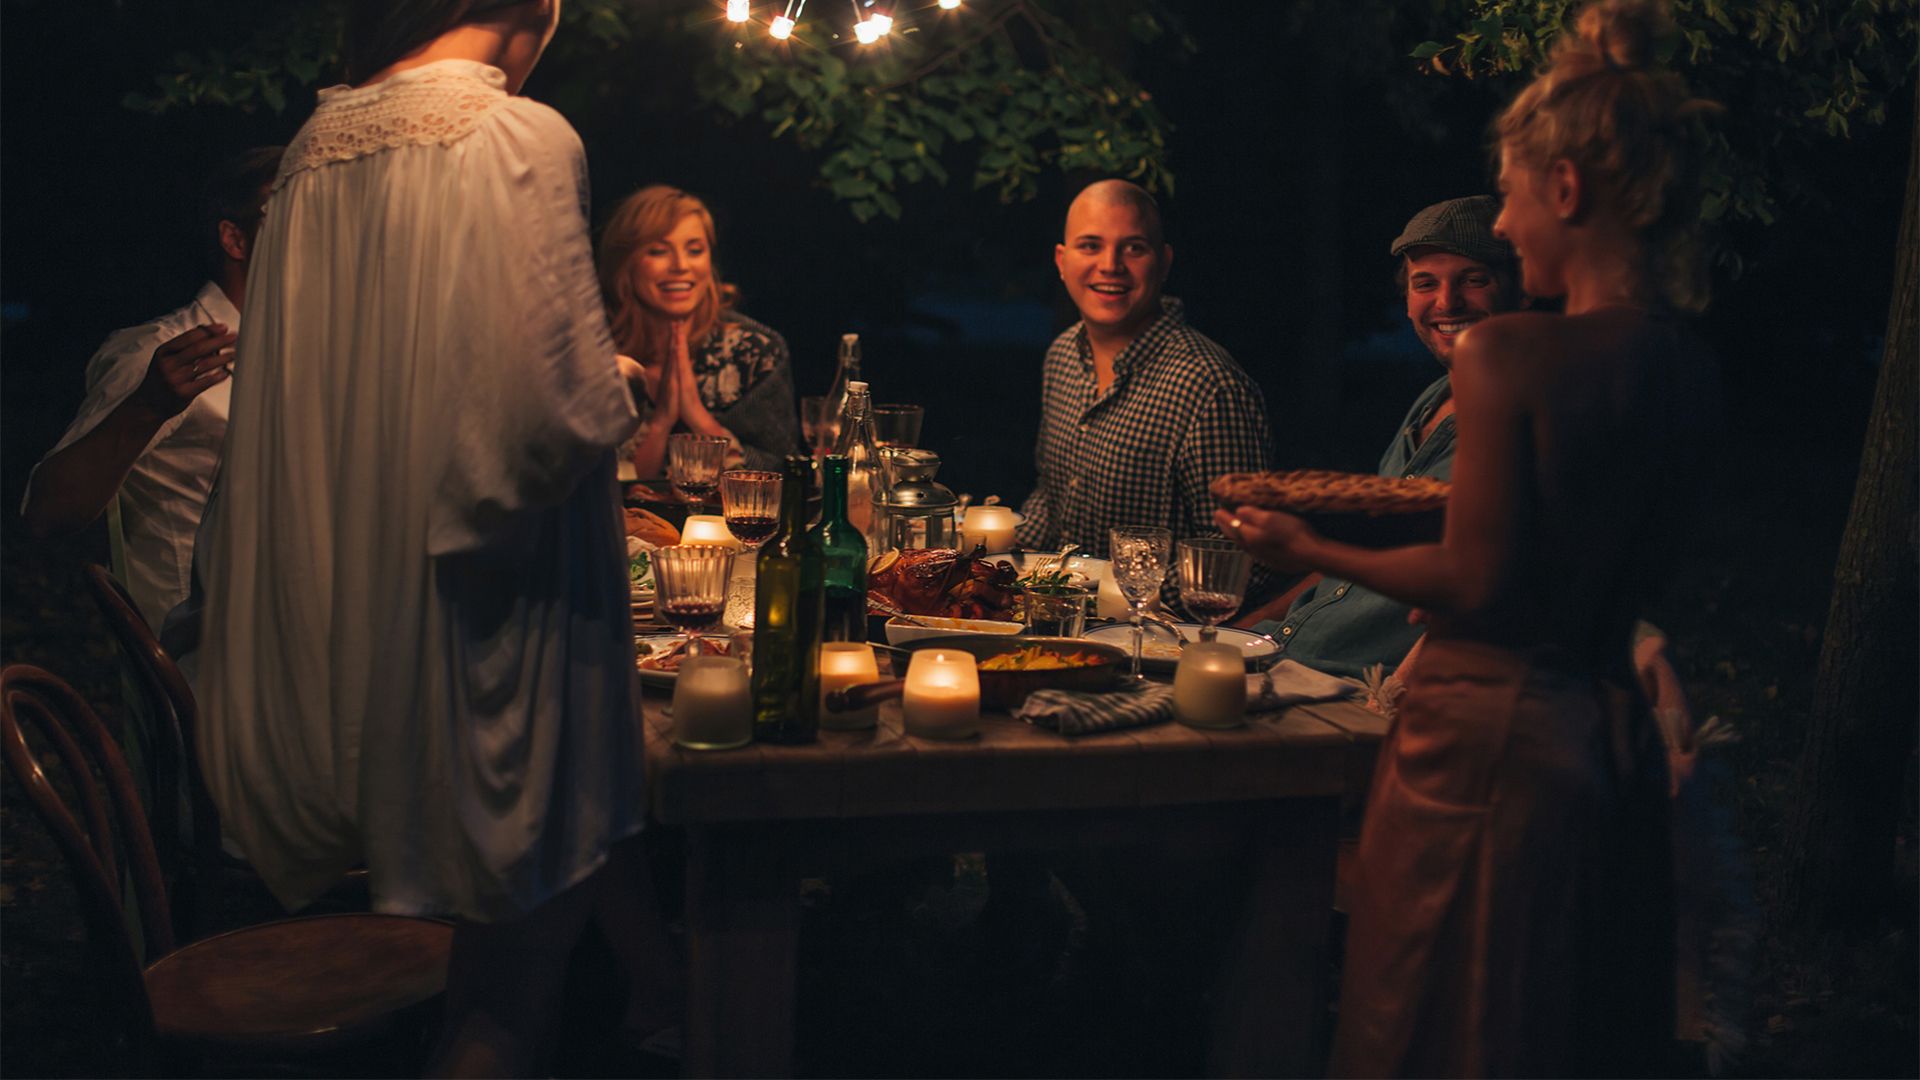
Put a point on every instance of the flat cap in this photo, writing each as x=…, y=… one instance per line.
x=1462, y=226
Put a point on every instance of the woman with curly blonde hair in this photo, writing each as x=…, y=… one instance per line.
x=709, y=369
x=1510, y=911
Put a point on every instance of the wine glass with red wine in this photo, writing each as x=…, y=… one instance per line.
x=750, y=499
x=1213, y=581
x=690, y=582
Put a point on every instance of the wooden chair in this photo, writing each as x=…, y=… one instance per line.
x=295, y=987
x=199, y=874
x=169, y=701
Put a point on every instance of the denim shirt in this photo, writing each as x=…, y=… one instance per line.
x=1339, y=627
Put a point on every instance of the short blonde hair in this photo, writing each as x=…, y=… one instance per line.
x=1631, y=128
x=642, y=218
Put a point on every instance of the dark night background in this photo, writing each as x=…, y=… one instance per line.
x=1295, y=168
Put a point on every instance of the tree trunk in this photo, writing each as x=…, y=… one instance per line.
x=1840, y=838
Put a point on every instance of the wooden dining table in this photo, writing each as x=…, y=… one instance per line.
x=761, y=818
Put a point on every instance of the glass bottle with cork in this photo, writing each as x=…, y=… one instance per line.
x=846, y=372
x=866, y=473
x=786, y=620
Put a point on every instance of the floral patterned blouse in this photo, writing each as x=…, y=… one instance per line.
x=746, y=381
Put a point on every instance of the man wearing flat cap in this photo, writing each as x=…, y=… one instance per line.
x=1453, y=272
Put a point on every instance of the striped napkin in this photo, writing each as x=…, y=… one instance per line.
x=1075, y=712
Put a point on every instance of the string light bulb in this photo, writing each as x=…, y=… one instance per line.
x=882, y=24
x=866, y=32
x=949, y=5
x=782, y=28
x=737, y=11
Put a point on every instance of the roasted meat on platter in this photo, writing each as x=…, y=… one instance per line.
x=940, y=581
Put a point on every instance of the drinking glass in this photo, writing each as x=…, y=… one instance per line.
x=1057, y=610
x=690, y=582
x=693, y=465
x=1140, y=555
x=1213, y=580
x=750, y=500
x=898, y=425
x=818, y=425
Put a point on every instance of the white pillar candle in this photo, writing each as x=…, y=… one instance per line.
x=942, y=696
x=708, y=529
x=989, y=525
x=1210, y=685
x=1109, y=602
x=844, y=664
x=712, y=707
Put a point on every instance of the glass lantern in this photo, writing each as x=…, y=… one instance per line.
x=916, y=511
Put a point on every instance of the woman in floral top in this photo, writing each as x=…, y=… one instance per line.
x=709, y=369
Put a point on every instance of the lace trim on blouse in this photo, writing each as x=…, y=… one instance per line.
x=438, y=103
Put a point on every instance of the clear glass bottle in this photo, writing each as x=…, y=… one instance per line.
x=866, y=473
x=786, y=620
x=845, y=373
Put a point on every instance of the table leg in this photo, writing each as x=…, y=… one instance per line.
x=1270, y=1002
x=743, y=909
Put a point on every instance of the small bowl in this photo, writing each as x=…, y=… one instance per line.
x=926, y=626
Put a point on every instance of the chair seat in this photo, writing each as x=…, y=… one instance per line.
x=299, y=984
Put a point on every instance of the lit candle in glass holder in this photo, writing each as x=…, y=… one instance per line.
x=1210, y=685
x=942, y=696
x=845, y=664
x=989, y=525
x=712, y=708
x=708, y=529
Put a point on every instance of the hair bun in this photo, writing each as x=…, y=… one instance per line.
x=1621, y=33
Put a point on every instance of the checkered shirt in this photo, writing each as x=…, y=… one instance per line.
x=1180, y=412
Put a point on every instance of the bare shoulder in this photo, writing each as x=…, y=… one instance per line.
x=1506, y=347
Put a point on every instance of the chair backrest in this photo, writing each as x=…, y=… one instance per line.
x=31, y=696
x=170, y=699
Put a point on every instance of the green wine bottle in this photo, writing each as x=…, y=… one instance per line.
x=786, y=621
x=842, y=552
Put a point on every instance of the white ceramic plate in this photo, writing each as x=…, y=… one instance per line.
x=899, y=633
x=1095, y=570
x=656, y=639
x=1161, y=653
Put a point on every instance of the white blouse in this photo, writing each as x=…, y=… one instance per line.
x=417, y=649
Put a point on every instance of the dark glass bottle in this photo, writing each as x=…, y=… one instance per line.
x=786, y=621
x=842, y=554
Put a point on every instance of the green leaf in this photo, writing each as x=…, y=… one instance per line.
x=854, y=187
x=1426, y=50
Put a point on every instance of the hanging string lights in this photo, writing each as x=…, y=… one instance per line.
x=869, y=26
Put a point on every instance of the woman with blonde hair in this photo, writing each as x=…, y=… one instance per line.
x=1510, y=910
x=709, y=369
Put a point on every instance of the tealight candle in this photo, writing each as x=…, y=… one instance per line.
x=708, y=529
x=989, y=525
x=1210, y=685
x=712, y=706
x=844, y=664
x=942, y=696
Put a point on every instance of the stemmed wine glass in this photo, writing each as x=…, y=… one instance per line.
x=750, y=500
x=691, y=587
x=1213, y=580
x=1140, y=555
x=693, y=464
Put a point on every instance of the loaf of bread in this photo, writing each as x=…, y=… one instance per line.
x=651, y=527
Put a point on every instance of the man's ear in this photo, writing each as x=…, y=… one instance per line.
x=1166, y=260
x=234, y=241
x=1060, y=260
x=1565, y=190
